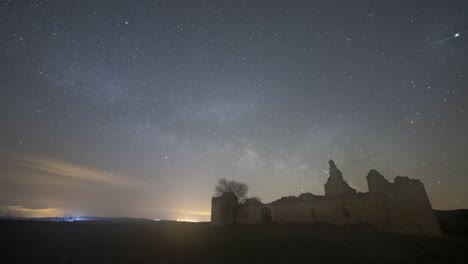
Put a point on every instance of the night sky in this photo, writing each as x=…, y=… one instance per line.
x=138, y=108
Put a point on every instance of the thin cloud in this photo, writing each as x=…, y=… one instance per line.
x=67, y=170
x=31, y=212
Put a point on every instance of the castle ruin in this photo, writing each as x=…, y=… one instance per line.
x=402, y=206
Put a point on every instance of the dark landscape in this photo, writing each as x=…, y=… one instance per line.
x=233, y=131
x=146, y=241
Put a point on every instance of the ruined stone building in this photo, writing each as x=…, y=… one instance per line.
x=401, y=206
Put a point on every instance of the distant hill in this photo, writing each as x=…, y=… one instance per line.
x=452, y=215
x=453, y=222
x=72, y=219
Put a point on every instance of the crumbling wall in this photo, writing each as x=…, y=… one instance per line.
x=291, y=210
x=360, y=208
x=402, y=206
x=249, y=212
x=224, y=209
x=409, y=209
x=406, y=203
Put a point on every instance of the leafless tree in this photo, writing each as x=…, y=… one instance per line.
x=238, y=188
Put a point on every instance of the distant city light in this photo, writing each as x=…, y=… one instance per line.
x=187, y=220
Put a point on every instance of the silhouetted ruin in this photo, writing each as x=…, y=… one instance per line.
x=402, y=206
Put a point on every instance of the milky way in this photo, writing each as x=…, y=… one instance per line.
x=137, y=108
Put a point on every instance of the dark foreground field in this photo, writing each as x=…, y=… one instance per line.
x=172, y=242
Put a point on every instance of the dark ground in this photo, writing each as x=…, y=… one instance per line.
x=172, y=242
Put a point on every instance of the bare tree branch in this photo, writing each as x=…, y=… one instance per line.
x=238, y=188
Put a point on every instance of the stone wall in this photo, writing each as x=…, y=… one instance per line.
x=249, y=212
x=308, y=208
x=224, y=209
x=409, y=209
x=402, y=206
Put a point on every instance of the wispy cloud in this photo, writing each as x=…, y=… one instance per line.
x=31, y=212
x=66, y=169
x=25, y=209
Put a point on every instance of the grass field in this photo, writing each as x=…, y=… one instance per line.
x=173, y=242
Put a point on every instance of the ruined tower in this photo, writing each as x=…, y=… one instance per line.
x=406, y=203
x=336, y=185
x=224, y=209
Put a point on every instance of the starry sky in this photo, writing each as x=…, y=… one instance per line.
x=138, y=108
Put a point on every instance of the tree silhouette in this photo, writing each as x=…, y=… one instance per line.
x=238, y=188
